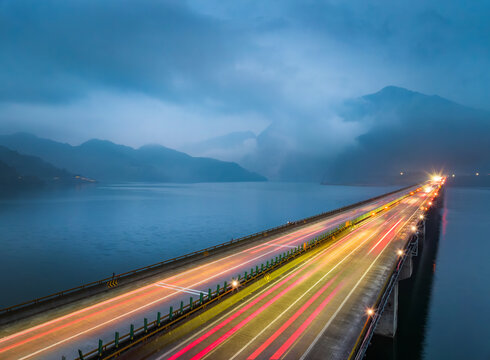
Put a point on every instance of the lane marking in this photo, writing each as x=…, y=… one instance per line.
x=333, y=247
x=180, y=289
x=320, y=334
x=286, y=246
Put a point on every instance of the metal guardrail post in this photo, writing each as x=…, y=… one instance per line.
x=116, y=339
x=100, y=347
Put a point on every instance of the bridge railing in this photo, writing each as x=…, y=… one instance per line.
x=255, y=236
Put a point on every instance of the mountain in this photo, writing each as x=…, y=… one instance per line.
x=409, y=132
x=19, y=171
x=371, y=139
x=106, y=161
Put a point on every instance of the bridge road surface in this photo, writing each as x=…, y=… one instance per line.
x=81, y=325
x=315, y=311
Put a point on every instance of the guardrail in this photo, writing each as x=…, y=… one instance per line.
x=136, y=336
x=367, y=332
x=126, y=275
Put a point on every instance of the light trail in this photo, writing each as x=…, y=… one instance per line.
x=290, y=320
x=385, y=235
x=304, y=325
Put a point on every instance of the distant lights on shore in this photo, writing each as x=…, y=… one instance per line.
x=453, y=175
x=402, y=173
x=477, y=174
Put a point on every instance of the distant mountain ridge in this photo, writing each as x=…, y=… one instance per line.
x=110, y=162
x=391, y=131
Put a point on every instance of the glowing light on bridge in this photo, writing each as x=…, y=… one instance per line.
x=370, y=312
x=235, y=283
x=413, y=228
x=399, y=252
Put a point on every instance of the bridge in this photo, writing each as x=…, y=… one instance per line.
x=315, y=288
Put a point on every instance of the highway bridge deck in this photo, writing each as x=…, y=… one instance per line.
x=316, y=310
x=81, y=324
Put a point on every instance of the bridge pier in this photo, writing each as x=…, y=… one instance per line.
x=407, y=268
x=388, y=322
x=389, y=319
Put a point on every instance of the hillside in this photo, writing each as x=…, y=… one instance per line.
x=18, y=171
x=109, y=162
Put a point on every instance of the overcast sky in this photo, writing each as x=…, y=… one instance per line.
x=174, y=72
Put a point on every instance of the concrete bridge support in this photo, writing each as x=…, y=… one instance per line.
x=389, y=319
x=407, y=268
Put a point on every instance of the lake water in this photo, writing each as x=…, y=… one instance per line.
x=444, y=308
x=54, y=240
